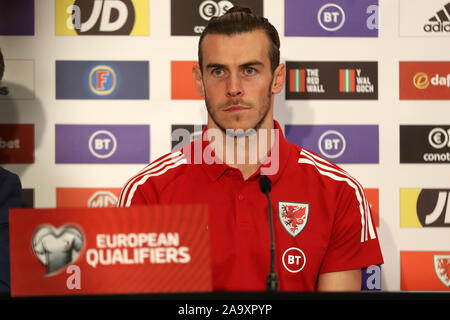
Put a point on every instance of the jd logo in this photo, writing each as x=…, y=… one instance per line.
x=101, y=17
x=433, y=207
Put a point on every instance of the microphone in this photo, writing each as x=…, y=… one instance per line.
x=272, y=281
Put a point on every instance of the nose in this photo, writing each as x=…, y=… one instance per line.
x=234, y=86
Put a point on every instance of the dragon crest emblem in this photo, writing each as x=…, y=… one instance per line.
x=293, y=216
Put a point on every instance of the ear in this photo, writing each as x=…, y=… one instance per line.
x=198, y=81
x=279, y=77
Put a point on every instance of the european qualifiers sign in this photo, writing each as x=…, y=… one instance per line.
x=331, y=80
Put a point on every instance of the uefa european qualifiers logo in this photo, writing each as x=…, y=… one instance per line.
x=58, y=248
x=332, y=80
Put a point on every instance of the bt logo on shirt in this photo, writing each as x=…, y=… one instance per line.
x=294, y=260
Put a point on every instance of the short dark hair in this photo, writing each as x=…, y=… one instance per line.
x=2, y=65
x=240, y=20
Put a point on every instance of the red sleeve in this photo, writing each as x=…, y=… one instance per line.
x=352, y=245
x=135, y=194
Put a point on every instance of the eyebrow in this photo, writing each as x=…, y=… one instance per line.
x=244, y=65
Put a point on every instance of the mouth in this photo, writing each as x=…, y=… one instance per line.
x=236, y=108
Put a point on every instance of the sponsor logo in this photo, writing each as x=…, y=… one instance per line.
x=429, y=80
x=102, y=17
x=294, y=260
x=440, y=21
x=425, y=270
x=332, y=144
x=56, y=248
x=189, y=17
x=87, y=197
x=332, y=80
x=424, y=144
x=183, y=134
x=424, y=18
x=331, y=17
x=371, y=278
x=339, y=144
x=18, y=80
x=102, y=143
x=424, y=208
x=17, y=143
x=326, y=18
x=102, y=80
x=17, y=18
x=293, y=216
x=442, y=268
x=182, y=82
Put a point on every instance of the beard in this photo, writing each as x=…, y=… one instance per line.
x=240, y=132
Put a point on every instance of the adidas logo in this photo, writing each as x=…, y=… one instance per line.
x=440, y=21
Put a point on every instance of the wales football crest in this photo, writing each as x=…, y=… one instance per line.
x=442, y=268
x=293, y=216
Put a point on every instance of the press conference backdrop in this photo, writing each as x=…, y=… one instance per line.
x=94, y=89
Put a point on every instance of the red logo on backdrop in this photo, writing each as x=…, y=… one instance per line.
x=109, y=250
x=86, y=197
x=16, y=143
x=182, y=82
x=425, y=270
x=442, y=268
x=428, y=80
x=373, y=200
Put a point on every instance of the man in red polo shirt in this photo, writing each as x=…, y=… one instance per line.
x=322, y=226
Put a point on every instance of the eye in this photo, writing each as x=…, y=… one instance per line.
x=217, y=72
x=249, y=71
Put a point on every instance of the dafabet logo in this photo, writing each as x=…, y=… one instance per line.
x=429, y=80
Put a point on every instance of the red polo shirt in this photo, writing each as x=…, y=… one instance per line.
x=322, y=220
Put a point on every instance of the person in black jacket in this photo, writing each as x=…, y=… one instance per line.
x=10, y=197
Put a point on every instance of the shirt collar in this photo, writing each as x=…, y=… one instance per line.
x=215, y=168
